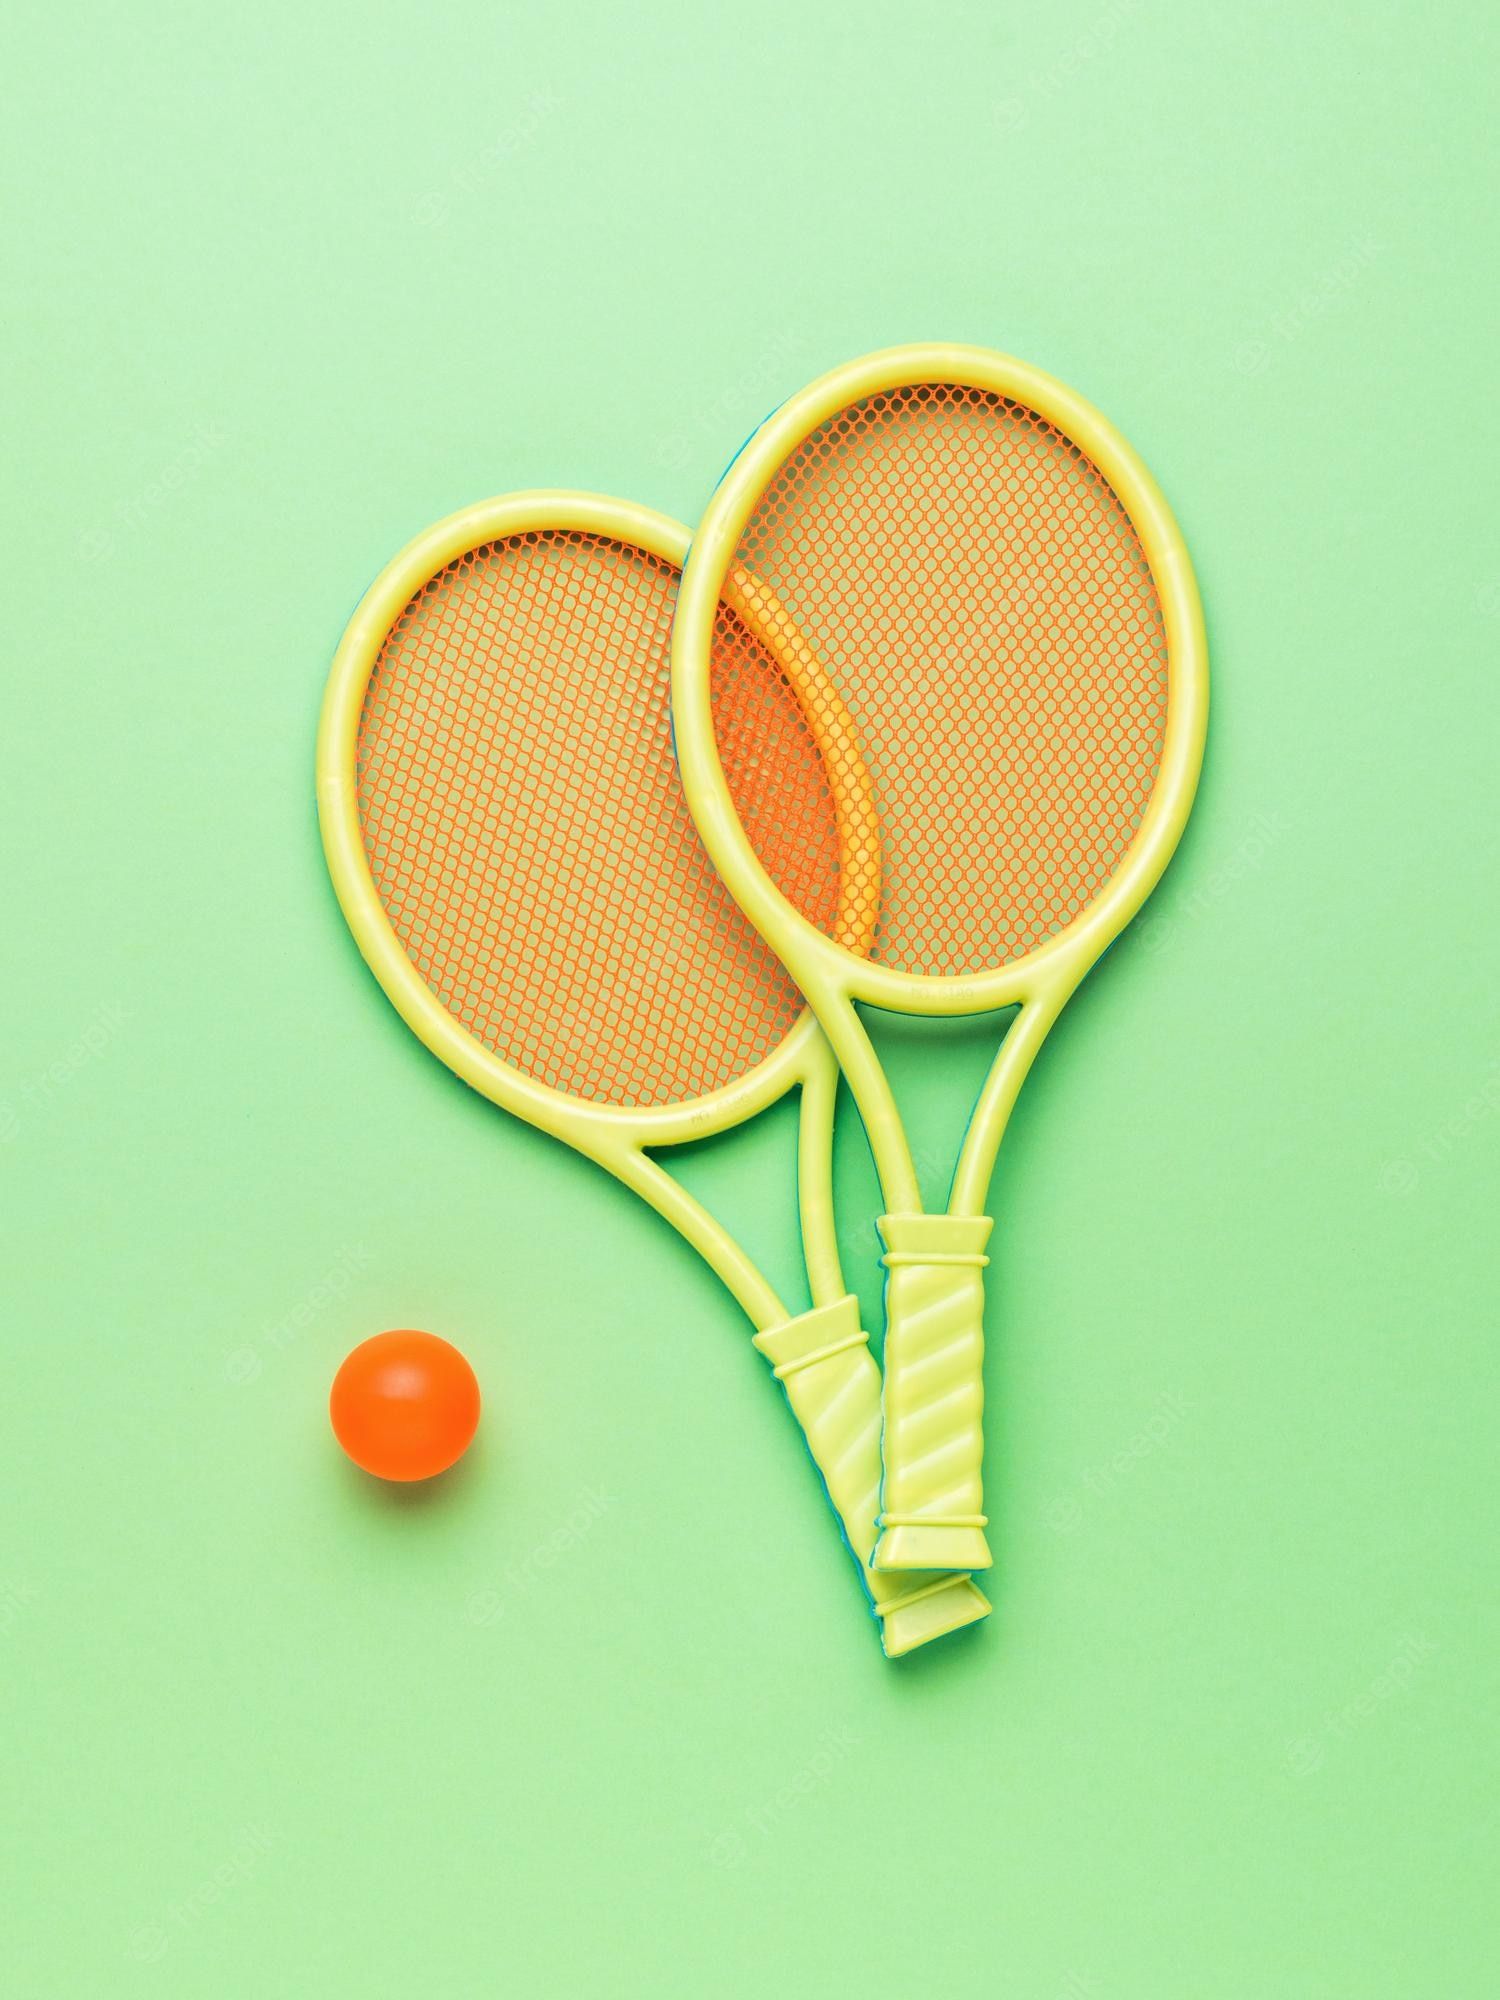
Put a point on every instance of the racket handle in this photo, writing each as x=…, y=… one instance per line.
x=932, y=1499
x=823, y=1361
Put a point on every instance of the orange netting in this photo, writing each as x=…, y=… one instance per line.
x=977, y=597
x=526, y=829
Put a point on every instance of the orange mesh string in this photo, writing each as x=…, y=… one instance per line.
x=976, y=594
x=525, y=826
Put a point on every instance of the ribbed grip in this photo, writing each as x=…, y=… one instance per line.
x=932, y=1499
x=823, y=1362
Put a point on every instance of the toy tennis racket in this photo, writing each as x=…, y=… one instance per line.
x=989, y=579
x=506, y=833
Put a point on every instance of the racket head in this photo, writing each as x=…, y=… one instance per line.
x=1130, y=544
x=610, y=1131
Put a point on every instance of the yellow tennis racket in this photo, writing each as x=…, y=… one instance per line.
x=506, y=833
x=986, y=575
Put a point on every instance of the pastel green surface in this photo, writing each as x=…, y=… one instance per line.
x=599, y=1715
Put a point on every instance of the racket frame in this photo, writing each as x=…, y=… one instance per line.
x=833, y=978
x=617, y=1137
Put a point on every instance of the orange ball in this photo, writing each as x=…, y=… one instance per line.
x=404, y=1405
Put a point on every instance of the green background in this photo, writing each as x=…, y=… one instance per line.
x=599, y=1713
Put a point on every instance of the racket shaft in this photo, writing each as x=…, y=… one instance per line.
x=823, y=1362
x=932, y=1496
